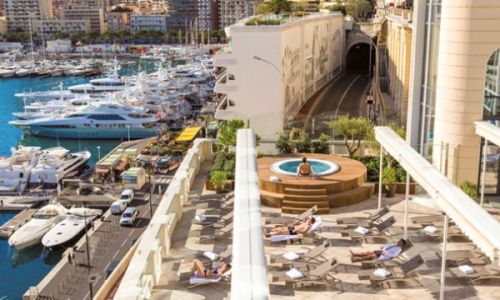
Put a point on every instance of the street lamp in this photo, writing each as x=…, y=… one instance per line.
x=128, y=132
x=99, y=152
x=150, y=199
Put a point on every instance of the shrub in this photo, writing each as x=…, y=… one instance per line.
x=321, y=145
x=469, y=188
x=283, y=145
x=303, y=144
x=218, y=179
x=389, y=176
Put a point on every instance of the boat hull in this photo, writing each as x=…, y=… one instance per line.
x=91, y=133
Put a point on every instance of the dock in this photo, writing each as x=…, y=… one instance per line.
x=7, y=229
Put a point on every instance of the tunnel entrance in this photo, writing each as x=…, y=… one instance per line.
x=358, y=58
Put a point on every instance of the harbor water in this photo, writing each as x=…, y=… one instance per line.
x=27, y=268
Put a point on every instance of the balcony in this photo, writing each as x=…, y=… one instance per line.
x=224, y=58
x=225, y=110
x=225, y=85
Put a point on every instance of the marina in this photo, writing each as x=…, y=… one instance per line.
x=79, y=142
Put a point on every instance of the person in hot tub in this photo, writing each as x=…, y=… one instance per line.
x=305, y=169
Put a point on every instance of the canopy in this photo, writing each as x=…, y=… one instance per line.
x=99, y=170
x=132, y=172
x=474, y=221
x=109, y=161
x=188, y=134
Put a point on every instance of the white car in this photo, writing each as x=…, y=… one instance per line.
x=127, y=196
x=129, y=217
x=118, y=207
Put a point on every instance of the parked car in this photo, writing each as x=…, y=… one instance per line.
x=129, y=217
x=127, y=196
x=118, y=207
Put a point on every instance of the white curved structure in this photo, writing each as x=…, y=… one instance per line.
x=332, y=167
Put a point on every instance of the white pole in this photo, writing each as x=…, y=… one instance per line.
x=443, y=256
x=98, y=153
x=483, y=173
x=381, y=165
x=128, y=132
x=405, y=235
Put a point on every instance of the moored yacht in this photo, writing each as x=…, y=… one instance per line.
x=54, y=164
x=42, y=221
x=111, y=83
x=16, y=169
x=77, y=218
x=99, y=121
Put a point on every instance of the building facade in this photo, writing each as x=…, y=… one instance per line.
x=271, y=71
x=182, y=15
x=93, y=13
x=394, y=42
x=49, y=27
x=231, y=11
x=207, y=14
x=116, y=21
x=451, y=87
x=148, y=22
x=19, y=13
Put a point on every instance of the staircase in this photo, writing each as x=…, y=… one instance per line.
x=296, y=201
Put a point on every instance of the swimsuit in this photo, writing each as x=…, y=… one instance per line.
x=291, y=230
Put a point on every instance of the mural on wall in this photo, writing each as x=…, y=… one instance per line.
x=290, y=64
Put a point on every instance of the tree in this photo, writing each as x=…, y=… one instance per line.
x=61, y=35
x=359, y=8
x=299, y=7
x=280, y=6
x=263, y=9
x=227, y=134
x=374, y=145
x=353, y=131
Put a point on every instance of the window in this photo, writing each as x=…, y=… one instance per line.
x=106, y=117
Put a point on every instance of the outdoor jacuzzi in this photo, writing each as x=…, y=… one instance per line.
x=320, y=167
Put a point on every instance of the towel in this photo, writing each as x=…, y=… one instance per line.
x=274, y=179
x=280, y=238
x=202, y=280
x=362, y=230
x=466, y=269
x=380, y=272
x=210, y=255
x=430, y=229
x=290, y=255
x=200, y=218
x=294, y=274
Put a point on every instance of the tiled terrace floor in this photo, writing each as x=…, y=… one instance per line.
x=188, y=243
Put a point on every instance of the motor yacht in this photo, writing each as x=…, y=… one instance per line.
x=111, y=83
x=16, y=169
x=33, y=231
x=54, y=164
x=95, y=121
x=75, y=222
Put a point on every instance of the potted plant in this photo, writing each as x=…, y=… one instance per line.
x=218, y=179
x=470, y=189
x=389, y=179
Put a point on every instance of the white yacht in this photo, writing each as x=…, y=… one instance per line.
x=7, y=72
x=56, y=163
x=77, y=218
x=95, y=121
x=112, y=83
x=16, y=169
x=42, y=221
x=46, y=95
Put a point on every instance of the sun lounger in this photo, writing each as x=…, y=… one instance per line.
x=290, y=220
x=426, y=220
x=365, y=221
x=313, y=255
x=396, y=261
x=476, y=273
x=395, y=273
x=297, y=237
x=362, y=232
x=460, y=257
x=318, y=275
x=197, y=281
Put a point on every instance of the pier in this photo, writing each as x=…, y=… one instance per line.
x=7, y=229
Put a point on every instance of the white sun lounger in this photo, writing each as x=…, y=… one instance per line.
x=291, y=237
x=197, y=281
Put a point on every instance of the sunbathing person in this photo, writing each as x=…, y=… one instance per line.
x=304, y=169
x=386, y=252
x=198, y=270
x=300, y=227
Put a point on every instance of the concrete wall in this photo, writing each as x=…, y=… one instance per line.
x=144, y=270
x=469, y=36
x=296, y=59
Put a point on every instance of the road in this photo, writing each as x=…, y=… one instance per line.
x=110, y=242
x=344, y=95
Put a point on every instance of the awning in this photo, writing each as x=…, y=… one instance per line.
x=474, y=221
x=101, y=170
x=121, y=165
x=188, y=134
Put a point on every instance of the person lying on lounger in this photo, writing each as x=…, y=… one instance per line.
x=300, y=227
x=198, y=270
x=386, y=252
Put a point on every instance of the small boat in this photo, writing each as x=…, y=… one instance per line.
x=42, y=221
x=71, y=227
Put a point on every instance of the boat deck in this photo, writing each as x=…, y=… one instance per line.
x=7, y=229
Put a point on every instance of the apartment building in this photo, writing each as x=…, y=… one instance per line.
x=207, y=14
x=148, y=22
x=19, y=13
x=117, y=21
x=182, y=14
x=49, y=27
x=85, y=12
x=230, y=11
x=272, y=71
x=453, y=84
x=394, y=45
